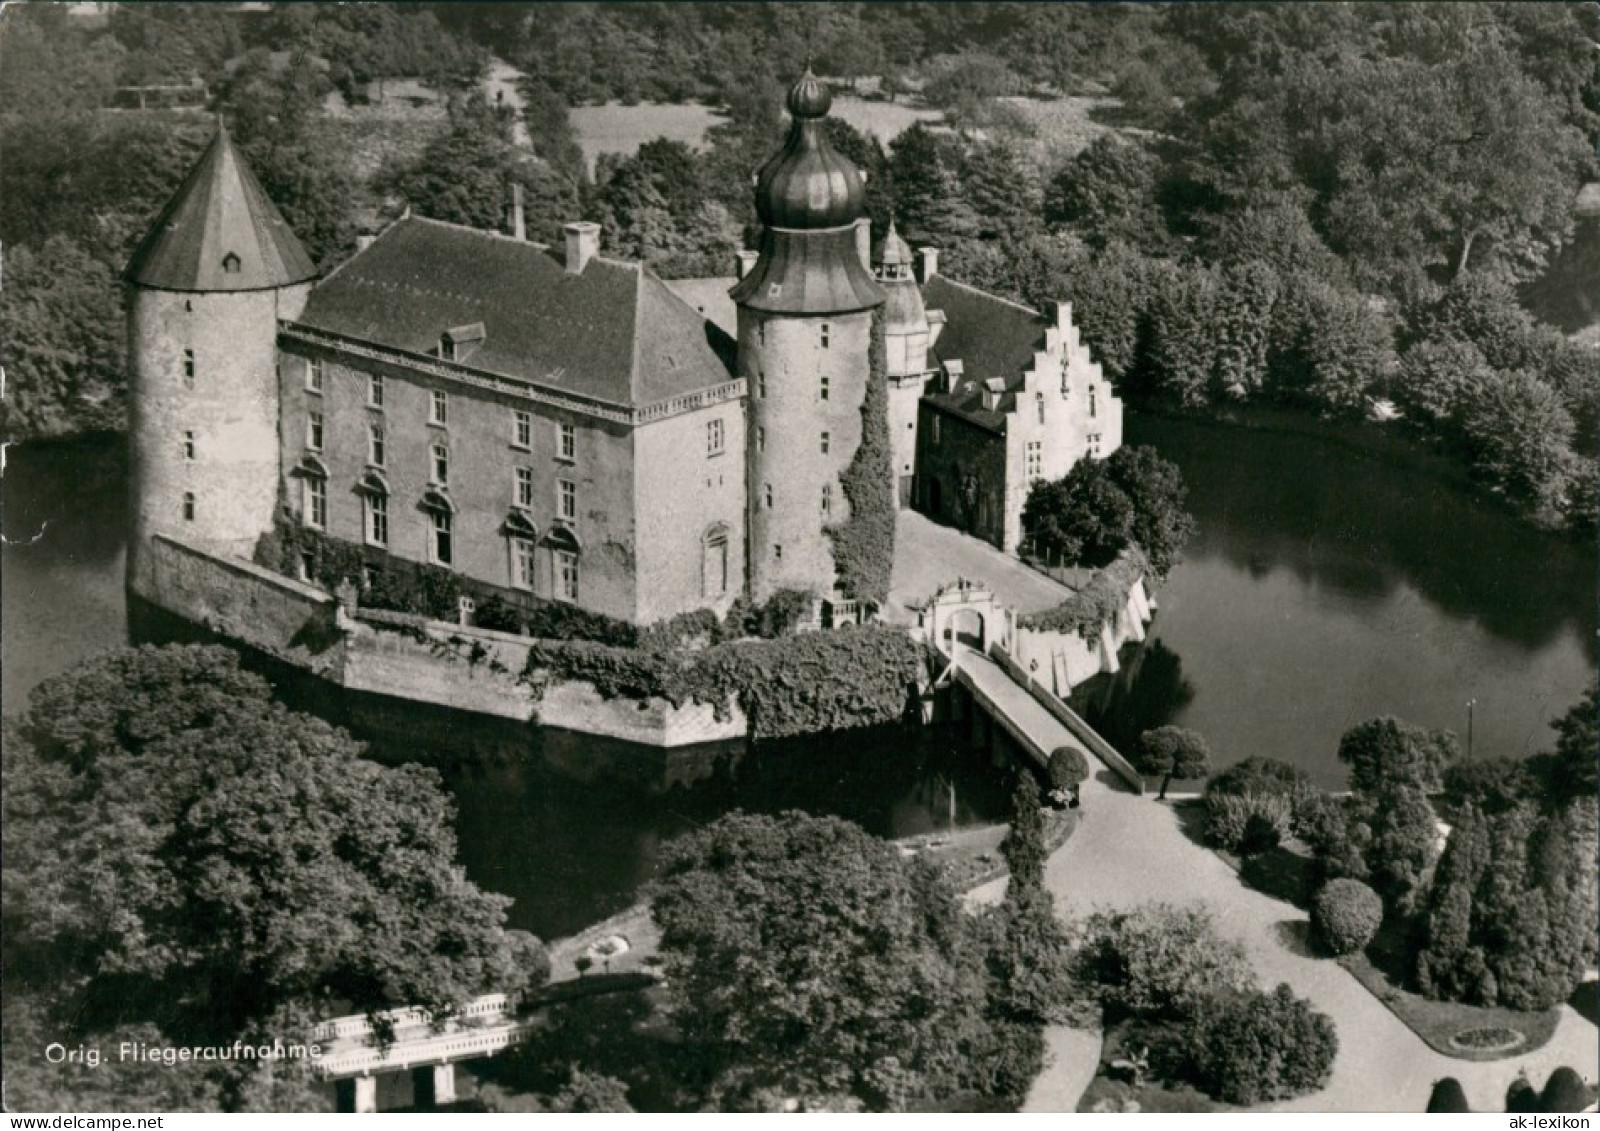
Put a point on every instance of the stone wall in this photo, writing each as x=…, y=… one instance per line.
x=961, y=474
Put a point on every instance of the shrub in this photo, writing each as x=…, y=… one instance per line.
x=1521, y=1097
x=1345, y=915
x=1385, y=752
x=1159, y=961
x=1247, y=823
x=1260, y=775
x=1244, y=1048
x=1067, y=768
x=1023, y=847
x=1564, y=1091
x=1448, y=1097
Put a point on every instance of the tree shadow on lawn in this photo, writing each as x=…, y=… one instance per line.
x=1586, y=1000
x=1296, y=937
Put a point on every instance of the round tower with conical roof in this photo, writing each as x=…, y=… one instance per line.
x=206, y=289
x=805, y=311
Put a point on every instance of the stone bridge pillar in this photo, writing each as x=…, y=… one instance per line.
x=434, y=1086
x=359, y=1094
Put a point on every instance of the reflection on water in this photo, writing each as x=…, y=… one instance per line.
x=1327, y=585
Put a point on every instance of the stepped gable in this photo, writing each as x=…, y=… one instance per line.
x=992, y=337
x=219, y=232
x=612, y=332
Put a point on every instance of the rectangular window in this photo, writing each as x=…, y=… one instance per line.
x=375, y=445
x=936, y=431
x=1091, y=400
x=713, y=437
x=439, y=407
x=315, y=509
x=761, y=439
x=521, y=428
x=314, y=375
x=188, y=366
x=823, y=336
x=441, y=464
x=375, y=390
x=827, y=498
x=767, y=496
x=188, y=445
x=824, y=443
x=378, y=520
x=443, y=537
x=1094, y=443
x=777, y=550
x=522, y=560
x=566, y=567
x=824, y=392
x=1035, y=460
x=188, y=506
x=314, y=431
x=716, y=565
x=524, y=494
x=566, y=442
x=761, y=386
x=566, y=499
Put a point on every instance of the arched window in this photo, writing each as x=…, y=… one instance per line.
x=564, y=552
x=441, y=527
x=313, y=475
x=521, y=539
x=714, y=556
x=374, y=490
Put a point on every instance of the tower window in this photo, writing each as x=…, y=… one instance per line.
x=761, y=386
x=566, y=442
x=713, y=437
x=761, y=439
x=377, y=519
x=767, y=496
x=314, y=375
x=524, y=494
x=375, y=390
x=439, y=407
x=314, y=431
x=521, y=428
x=822, y=337
x=375, y=445
x=566, y=499
x=716, y=562
x=188, y=506
x=443, y=545
x=441, y=464
x=188, y=445
x=230, y=264
x=824, y=387
x=315, y=504
x=1094, y=443
x=825, y=443
x=777, y=551
x=188, y=366
x=827, y=498
x=1091, y=400
x=1035, y=460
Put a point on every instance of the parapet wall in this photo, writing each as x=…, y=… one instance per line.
x=403, y=656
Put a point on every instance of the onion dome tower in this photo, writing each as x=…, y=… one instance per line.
x=805, y=311
x=206, y=289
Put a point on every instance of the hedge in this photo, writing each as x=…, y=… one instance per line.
x=1346, y=914
x=817, y=681
x=403, y=586
x=1247, y=823
x=1097, y=604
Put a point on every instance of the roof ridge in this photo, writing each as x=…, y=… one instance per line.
x=486, y=233
x=638, y=314
x=986, y=294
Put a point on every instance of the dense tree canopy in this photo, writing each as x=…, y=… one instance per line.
x=1100, y=507
x=183, y=851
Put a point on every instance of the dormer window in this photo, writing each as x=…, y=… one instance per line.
x=459, y=342
x=230, y=264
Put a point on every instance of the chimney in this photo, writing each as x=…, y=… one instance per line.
x=1063, y=313
x=930, y=262
x=519, y=228
x=864, y=242
x=583, y=244
x=745, y=261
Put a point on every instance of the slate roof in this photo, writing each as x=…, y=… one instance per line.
x=613, y=332
x=219, y=212
x=993, y=338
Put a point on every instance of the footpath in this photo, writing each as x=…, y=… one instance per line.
x=1129, y=850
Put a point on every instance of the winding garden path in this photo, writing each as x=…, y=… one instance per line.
x=1130, y=850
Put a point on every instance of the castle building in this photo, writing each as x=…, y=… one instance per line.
x=553, y=424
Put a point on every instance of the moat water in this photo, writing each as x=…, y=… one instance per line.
x=1326, y=585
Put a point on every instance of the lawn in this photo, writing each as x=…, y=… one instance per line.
x=615, y=128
